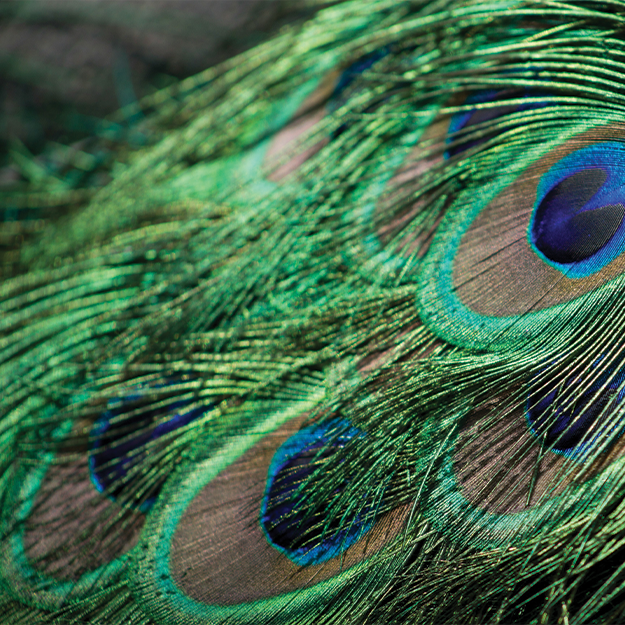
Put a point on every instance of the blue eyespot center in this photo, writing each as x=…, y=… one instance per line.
x=341, y=92
x=349, y=74
x=578, y=414
x=566, y=233
x=305, y=534
x=578, y=220
x=122, y=438
x=466, y=120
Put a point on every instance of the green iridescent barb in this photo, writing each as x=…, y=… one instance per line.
x=338, y=340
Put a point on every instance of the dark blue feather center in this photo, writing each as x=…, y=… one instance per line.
x=578, y=221
x=462, y=123
x=120, y=442
x=341, y=92
x=567, y=228
x=359, y=66
x=294, y=524
x=576, y=415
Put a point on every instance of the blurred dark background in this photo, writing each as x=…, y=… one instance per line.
x=66, y=64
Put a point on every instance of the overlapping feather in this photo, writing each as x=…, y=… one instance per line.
x=205, y=313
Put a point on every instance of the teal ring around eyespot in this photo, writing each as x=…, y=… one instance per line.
x=150, y=578
x=157, y=592
x=230, y=179
x=380, y=261
x=451, y=514
x=238, y=179
x=600, y=155
x=443, y=312
x=290, y=448
x=31, y=586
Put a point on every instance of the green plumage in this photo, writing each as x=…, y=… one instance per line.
x=354, y=377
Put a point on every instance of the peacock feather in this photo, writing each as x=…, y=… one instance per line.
x=337, y=340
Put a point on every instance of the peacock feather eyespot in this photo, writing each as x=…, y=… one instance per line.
x=396, y=217
x=577, y=224
x=279, y=559
x=129, y=430
x=62, y=537
x=557, y=220
x=464, y=127
x=496, y=483
x=332, y=93
x=351, y=73
x=345, y=84
x=582, y=414
x=286, y=519
x=525, y=460
x=379, y=379
x=79, y=509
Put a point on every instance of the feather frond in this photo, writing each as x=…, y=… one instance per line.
x=373, y=373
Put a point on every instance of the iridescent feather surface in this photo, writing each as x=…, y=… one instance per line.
x=340, y=341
